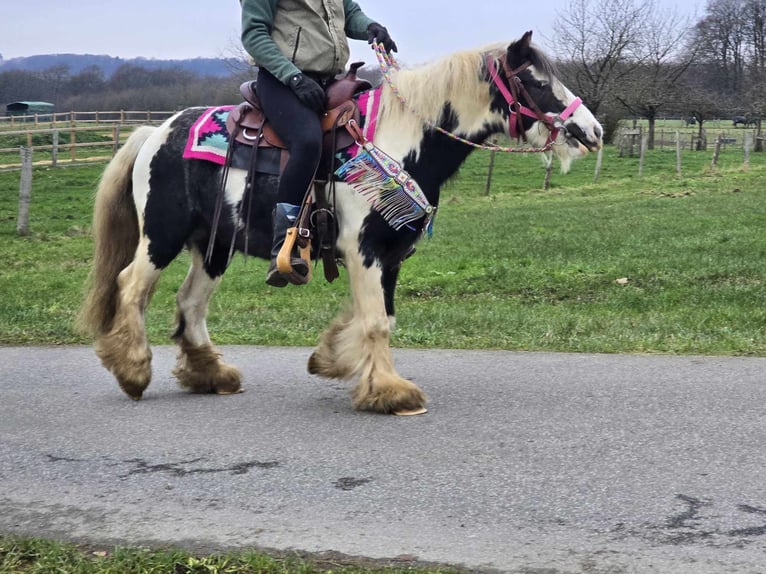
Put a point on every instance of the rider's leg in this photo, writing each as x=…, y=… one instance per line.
x=299, y=128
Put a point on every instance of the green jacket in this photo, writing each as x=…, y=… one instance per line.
x=286, y=37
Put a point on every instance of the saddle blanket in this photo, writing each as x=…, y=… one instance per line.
x=209, y=139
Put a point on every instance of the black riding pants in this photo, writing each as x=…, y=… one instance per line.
x=299, y=128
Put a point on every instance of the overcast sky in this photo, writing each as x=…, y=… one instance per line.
x=174, y=29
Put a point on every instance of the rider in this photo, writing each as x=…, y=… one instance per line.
x=299, y=47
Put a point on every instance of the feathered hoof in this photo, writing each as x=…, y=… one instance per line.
x=200, y=370
x=225, y=380
x=324, y=366
x=389, y=394
x=134, y=390
x=133, y=370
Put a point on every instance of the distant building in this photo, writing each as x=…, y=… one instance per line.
x=30, y=109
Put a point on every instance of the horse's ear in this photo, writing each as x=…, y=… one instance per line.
x=518, y=51
x=526, y=39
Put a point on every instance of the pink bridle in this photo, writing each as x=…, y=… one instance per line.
x=554, y=123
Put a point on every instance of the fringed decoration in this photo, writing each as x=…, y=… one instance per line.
x=390, y=190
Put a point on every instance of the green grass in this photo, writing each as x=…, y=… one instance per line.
x=34, y=556
x=520, y=269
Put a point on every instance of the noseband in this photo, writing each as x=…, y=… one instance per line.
x=554, y=123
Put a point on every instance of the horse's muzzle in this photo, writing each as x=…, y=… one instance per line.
x=576, y=137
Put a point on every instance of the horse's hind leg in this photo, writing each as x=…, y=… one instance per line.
x=124, y=350
x=357, y=343
x=199, y=367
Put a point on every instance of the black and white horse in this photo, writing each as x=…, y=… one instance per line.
x=152, y=203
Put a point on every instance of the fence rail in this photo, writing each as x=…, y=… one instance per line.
x=85, y=144
x=107, y=117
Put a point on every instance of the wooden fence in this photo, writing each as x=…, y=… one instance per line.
x=121, y=117
x=103, y=146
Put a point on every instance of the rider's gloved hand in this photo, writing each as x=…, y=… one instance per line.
x=379, y=34
x=309, y=92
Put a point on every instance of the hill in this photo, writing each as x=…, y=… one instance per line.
x=75, y=63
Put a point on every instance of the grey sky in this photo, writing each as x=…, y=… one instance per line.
x=166, y=29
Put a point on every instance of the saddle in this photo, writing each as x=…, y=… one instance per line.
x=247, y=124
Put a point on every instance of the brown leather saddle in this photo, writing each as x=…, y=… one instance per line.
x=247, y=124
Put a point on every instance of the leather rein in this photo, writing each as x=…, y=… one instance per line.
x=554, y=123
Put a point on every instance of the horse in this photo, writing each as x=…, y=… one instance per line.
x=151, y=203
x=745, y=121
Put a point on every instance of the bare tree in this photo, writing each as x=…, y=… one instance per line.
x=653, y=84
x=755, y=24
x=601, y=41
x=720, y=40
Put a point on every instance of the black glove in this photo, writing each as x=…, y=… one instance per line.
x=309, y=92
x=379, y=34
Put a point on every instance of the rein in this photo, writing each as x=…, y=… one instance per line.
x=554, y=123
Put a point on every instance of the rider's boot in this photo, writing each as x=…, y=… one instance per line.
x=284, y=216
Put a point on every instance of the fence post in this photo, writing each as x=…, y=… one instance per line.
x=644, y=141
x=116, y=146
x=55, y=149
x=72, y=142
x=491, y=167
x=717, y=150
x=548, y=159
x=747, y=141
x=598, y=164
x=678, y=152
x=25, y=191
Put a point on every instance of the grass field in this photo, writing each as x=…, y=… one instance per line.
x=660, y=264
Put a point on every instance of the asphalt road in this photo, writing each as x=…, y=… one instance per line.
x=533, y=463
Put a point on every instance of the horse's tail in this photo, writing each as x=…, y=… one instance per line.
x=115, y=234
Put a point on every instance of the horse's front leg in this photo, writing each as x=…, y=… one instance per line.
x=199, y=367
x=357, y=343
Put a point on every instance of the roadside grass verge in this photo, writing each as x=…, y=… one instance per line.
x=35, y=556
x=660, y=264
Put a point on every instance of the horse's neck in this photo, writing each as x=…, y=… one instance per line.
x=432, y=115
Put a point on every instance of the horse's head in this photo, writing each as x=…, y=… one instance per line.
x=538, y=106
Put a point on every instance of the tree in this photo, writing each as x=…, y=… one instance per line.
x=90, y=79
x=601, y=41
x=720, y=39
x=653, y=84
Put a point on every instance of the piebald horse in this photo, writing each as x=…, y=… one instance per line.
x=152, y=203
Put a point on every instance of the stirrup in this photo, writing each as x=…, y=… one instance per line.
x=285, y=257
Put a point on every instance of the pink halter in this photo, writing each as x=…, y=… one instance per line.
x=554, y=123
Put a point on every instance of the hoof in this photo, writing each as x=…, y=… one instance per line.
x=324, y=367
x=389, y=395
x=411, y=413
x=200, y=370
x=314, y=365
x=226, y=380
x=133, y=390
x=132, y=371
